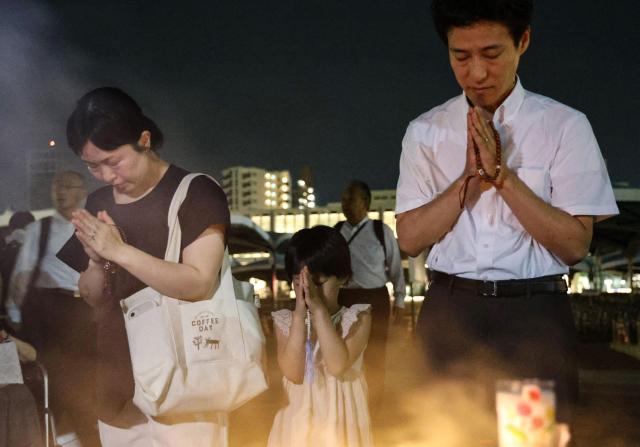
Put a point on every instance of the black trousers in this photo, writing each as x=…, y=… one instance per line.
x=375, y=353
x=483, y=339
x=61, y=328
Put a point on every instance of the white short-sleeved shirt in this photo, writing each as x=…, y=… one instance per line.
x=550, y=146
x=368, y=259
x=54, y=274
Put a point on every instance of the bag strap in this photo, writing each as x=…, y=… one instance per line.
x=378, y=229
x=45, y=227
x=338, y=226
x=172, y=252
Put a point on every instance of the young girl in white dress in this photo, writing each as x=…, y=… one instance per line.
x=320, y=346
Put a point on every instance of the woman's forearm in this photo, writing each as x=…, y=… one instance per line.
x=91, y=284
x=195, y=278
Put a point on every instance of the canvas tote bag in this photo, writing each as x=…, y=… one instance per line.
x=193, y=357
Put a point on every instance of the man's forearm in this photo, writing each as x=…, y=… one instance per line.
x=566, y=236
x=424, y=226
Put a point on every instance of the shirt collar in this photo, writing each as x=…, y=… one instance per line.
x=59, y=217
x=509, y=107
x=359, y=224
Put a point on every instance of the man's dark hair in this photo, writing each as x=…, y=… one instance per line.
x=516, y=15
x=322, y=249
x=363, y=188
x=109, y=118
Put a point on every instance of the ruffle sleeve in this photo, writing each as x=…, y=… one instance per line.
x=282, y=319
x=350, y=316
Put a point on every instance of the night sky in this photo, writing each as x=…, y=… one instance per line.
x=283, y=84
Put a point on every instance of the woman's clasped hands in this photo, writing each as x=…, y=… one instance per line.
x=99, y=235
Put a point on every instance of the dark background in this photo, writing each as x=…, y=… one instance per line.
x=331, y=84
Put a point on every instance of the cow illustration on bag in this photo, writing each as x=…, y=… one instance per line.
x=208, y=342
x=213, y=344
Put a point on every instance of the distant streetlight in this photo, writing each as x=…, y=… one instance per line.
x=52, y=143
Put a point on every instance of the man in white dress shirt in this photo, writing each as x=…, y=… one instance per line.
x=54, y=319
x=504, y=185
x=375, y=260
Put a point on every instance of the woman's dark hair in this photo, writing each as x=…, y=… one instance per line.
x=322, y=249
x=516, y=15
x=109, y=118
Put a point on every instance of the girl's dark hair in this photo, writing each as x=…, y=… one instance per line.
x=516, y=15
x=322, y=249
x=109, y=118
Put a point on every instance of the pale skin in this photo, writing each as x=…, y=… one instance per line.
x=319, y=294
x=484, y=59
x=133, y=173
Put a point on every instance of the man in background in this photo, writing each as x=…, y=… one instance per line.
x=375, y=260
x=9, y=248
x=52, y=316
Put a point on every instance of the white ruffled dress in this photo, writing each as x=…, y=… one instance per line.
x=328, y=410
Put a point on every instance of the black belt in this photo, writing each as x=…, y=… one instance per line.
x=508, y=287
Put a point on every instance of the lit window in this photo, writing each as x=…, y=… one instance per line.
x=310, y=190
x=301, y=183
x=312, y=198
x=285, y=179
x=267, y=184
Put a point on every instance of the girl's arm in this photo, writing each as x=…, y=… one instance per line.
x=291, y=352
x=193, y=279
x=338, y=353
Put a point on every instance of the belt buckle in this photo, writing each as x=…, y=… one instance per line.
x=494, y=292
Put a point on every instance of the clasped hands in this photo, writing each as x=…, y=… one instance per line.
x=482, y=144
x=484, y=167
x=99, y=235
x=307, y=295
